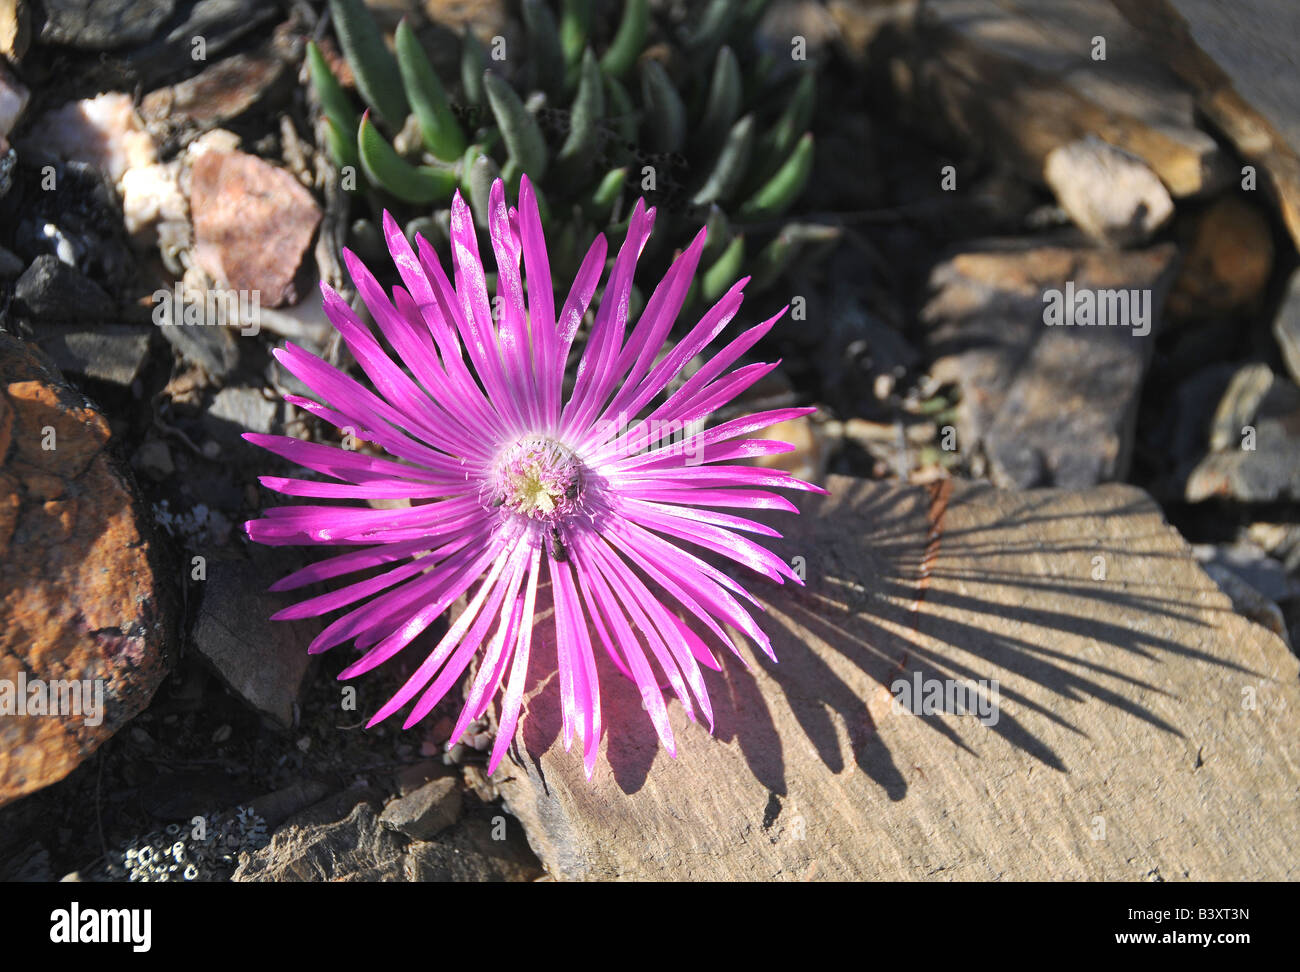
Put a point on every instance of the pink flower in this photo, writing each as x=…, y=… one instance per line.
x=512, y=487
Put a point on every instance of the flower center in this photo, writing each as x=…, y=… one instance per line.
x=537, y=477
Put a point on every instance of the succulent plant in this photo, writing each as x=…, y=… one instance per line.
x=724, y=139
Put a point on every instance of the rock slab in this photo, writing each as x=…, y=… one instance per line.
x=80, y=595
x=1144, y=731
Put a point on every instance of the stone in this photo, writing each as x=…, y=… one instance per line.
x=13, y=99
x=52, y=290
x=102, y=25
x=1239, y=59
x=1109, y=194
x=315, y=845
x=1286, y=326
x=238, y=410
x=471, y=851
x=421, y=814
x=1248, y=601
x=103, y=131
x=1050, y=405
x=1017, y=78
x=82, y=596
x=1261, y=463
x=1121, y=672
x=152, y=194
x=261, y=661
x=220, y=92
x=252, y=224
x=221, y=24
x=15, y=28
x=108, y=352
x=211, y=348
x=341, y=839
x=1227, y=264
x=1246, y=391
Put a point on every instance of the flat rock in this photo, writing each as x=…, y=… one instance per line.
x=1050, y=405
x=1240, y=59
x=260, y=660
x=80, y=593
x=313, y=847
x=1018, y=77
x=1261, y=462
x=421, y=814
x=1286, y=326
x=252, y=223
x=220, y=92
x=101, y=25
x=1109, y=194
x=1130, y=696
x=51, y=290
x=341, y=839
x=107, y=352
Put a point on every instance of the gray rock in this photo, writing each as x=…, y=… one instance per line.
x=211, y=348
x=242, y=410
x=1261, y=465
x=475, y=850
x=260, y=660
x=1252, y=565
x=154, y=459
x=314, y=847
x=426, y=811
x=107, y=352
x=1286, y=326
x=51, y=290
x=1240, y=403
x=1110, y=194
x=1051, y=405
x=10, y=265
x=102, y=25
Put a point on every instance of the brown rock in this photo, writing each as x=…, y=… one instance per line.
x=1228, y=262
x=252, y=223
x=218, y=93
x=1129, y=695
x=1240, y=60
x=1110, y=195
x=79, y=595
x=1018, y=78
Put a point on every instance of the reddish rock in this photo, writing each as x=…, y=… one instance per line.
x=252, y=223
x=79, y=598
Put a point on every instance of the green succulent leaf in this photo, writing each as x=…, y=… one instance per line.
x=628, y=42
x=665, y=113
x=725, y=270
x=584, y=116
x=620, y=112
x=775, y=258
x=382, y=165
x=473, y=62
x=575, y=26
x=780, y=139
x=784, y=187
x=378, y=79
x=334, y=101
x=712, y=27
x=438, y=126
x=733, y=161
x=480, y=175
x=606, y=194
x=545, y=53
x=342, y=144
x=726, y=93
x=519, y=129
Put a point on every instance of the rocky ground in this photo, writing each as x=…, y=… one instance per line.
x=1104, y=520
